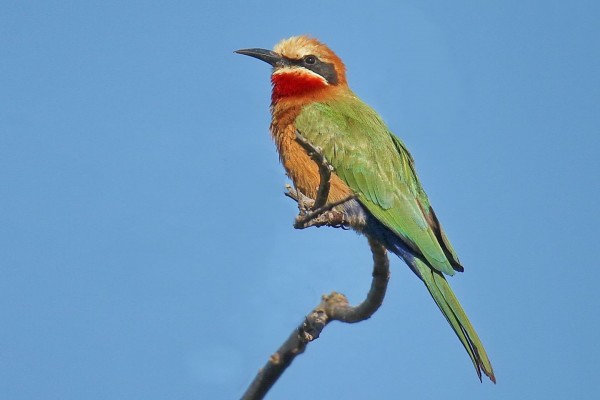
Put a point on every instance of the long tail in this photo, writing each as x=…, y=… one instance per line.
x=435, y=282
x=448, y=303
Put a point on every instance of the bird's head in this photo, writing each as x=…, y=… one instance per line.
x=303, y=68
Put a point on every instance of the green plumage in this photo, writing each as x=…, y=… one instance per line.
x=376, y=165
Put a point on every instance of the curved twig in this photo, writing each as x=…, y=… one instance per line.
x=333, y=307
x=324, y=170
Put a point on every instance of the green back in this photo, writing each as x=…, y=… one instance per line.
x=376, y=165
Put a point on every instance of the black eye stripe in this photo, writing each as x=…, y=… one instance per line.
x=326, y=70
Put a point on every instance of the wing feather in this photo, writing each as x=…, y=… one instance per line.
x=376, y=165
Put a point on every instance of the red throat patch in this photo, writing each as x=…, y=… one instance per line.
x=294, y=83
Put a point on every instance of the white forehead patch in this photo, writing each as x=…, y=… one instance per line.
x=296, y=47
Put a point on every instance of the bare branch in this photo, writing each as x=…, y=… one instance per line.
x=324, y=170
x=381, y=276
x=333, y=307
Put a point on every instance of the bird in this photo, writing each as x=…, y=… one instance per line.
x=371, y=166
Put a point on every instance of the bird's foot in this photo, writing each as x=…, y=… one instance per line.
x=328, y=215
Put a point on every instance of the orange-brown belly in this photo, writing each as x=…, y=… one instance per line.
x=301, y=169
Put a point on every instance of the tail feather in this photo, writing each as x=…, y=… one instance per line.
x=455, y=315
x=435, y=282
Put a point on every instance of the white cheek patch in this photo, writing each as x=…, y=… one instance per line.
x=299, y=71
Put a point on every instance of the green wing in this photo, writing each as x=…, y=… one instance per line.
x=376, y=165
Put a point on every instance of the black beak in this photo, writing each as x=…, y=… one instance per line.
x=268, y=56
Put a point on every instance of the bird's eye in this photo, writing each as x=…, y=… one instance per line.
x=310, y=60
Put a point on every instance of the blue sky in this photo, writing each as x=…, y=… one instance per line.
x=146, y=248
